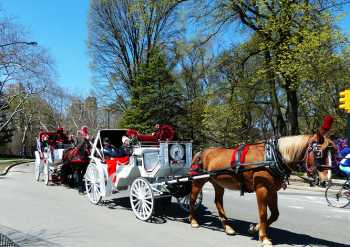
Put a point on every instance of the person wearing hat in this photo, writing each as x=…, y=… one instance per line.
x=126, y=146
x=110, y=150
x=61, y=138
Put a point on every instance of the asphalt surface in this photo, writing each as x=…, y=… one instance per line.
x=33, y=214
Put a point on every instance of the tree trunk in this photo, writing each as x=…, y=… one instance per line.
x=293, y=112
x=292, y=108
x=280, y=123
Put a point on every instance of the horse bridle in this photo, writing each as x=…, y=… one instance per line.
x=315, y=148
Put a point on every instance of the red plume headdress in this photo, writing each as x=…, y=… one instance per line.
x=327, y=124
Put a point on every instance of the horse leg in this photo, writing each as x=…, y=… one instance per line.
x=262, y=199
x=197, y=186
x=64, y=174
x=219, y=202
x=273, y=206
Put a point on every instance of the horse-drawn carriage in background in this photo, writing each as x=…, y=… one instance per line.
x=152, y=171
x=58, y=159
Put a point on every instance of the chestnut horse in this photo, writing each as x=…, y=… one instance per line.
x=293, y=150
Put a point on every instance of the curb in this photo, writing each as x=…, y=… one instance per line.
x=305, y=187
x=8, y=168
x=299, y=180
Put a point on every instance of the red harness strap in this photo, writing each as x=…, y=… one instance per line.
x=196, y=166
x=242, y=157
x=195, y=169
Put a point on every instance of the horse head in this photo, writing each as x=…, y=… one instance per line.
x=314, y=151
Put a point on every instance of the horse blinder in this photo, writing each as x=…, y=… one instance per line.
x=319, y=157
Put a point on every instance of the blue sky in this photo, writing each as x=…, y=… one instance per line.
x=61, y=27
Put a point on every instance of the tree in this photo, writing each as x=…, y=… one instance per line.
x=287, y=34
x=194, y=65
x=156, y=97
x=24, y=72
x=122, y=35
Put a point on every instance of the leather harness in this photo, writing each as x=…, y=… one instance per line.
x=273, y=162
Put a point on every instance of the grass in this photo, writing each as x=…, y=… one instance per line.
x=5, y=162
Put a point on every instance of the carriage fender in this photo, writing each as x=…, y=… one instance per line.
x=127, y=176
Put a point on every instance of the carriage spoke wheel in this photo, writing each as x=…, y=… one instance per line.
x=93, y=184
x=142, y=199
x=337, y=196
x=184, y=202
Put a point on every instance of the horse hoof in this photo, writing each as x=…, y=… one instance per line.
x=229, y=230
x=253, y=229
x=266, y=243
x=194, y=224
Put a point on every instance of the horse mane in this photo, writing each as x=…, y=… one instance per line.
x=292, y=148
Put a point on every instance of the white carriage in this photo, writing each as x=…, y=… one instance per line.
x=48, y=157
x=152, y=171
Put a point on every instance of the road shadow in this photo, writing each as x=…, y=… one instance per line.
x=207, y=220
x=41, y=238
x=122, y=203
x=212, y=222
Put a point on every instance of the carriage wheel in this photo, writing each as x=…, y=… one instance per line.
x=93, y=184
x=184, y=202
x=46, y=173
x=142, y=199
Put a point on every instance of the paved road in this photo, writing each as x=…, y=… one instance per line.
x=37, y=215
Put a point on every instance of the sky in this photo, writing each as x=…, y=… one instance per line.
x=61, y=27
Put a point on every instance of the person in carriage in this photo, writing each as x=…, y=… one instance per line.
x=61, y=138
x=110, y=150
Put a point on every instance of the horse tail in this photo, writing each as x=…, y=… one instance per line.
x=197, y=164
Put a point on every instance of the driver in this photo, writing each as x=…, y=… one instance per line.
x=61, y=138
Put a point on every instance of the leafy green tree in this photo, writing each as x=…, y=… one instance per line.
x=155, y=97
x=288, y=35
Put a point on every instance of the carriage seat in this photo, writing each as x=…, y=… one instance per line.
x=113, y=162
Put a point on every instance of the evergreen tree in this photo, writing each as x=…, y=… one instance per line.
x=155, y=98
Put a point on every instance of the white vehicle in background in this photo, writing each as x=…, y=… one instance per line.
x=153, y=170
